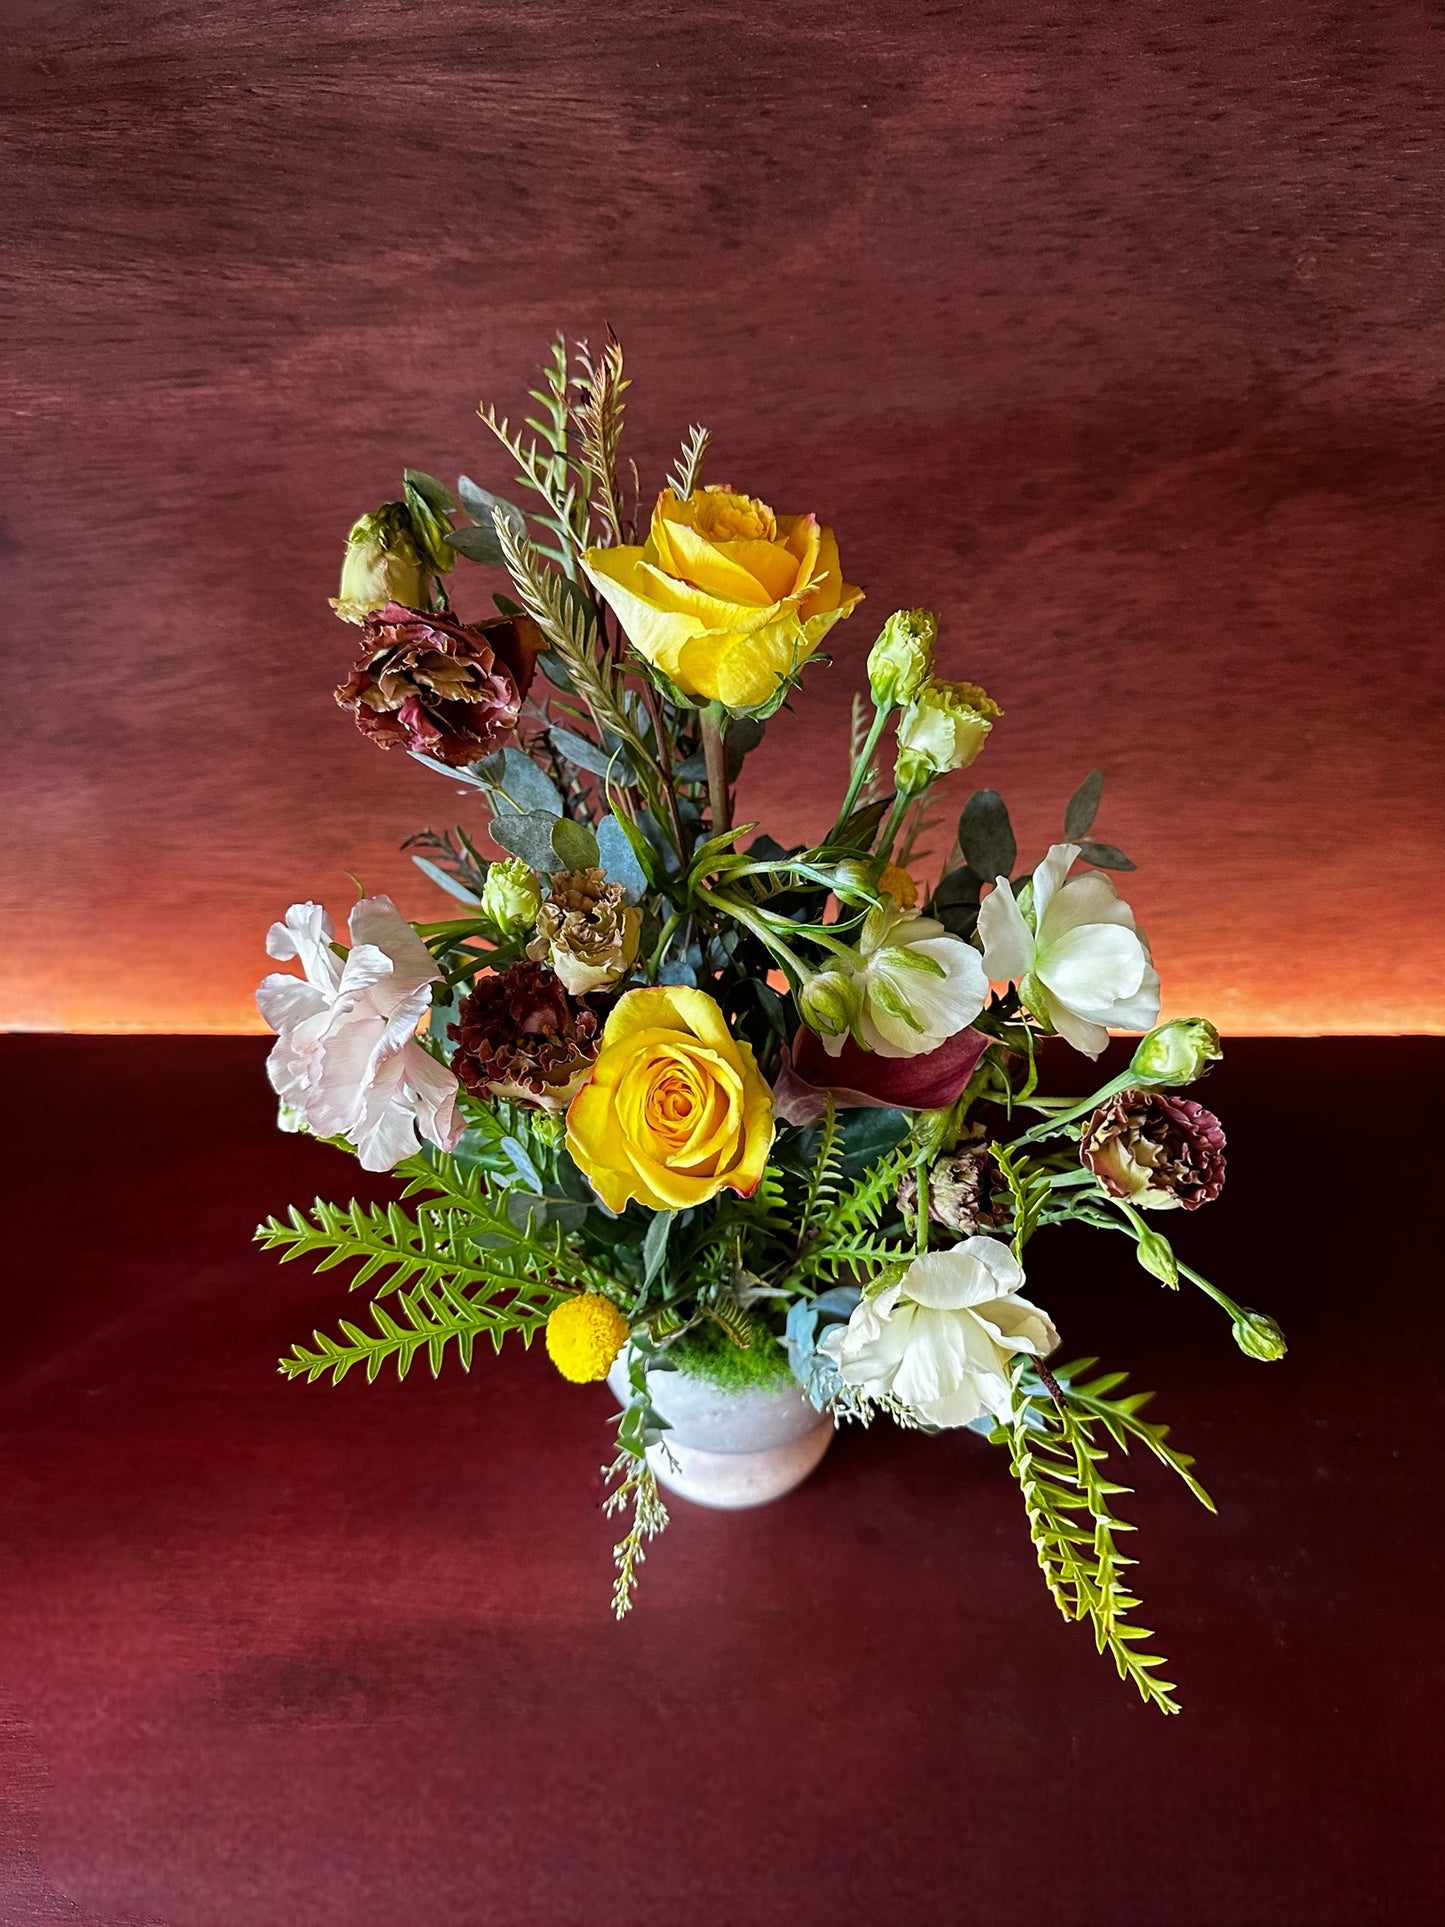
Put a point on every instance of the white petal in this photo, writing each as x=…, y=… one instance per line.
x=307, y=934
x=946, y=1280
x=1049, y=877
x=1086, y=1037
x=1019, y=1326
x=1141, y=1011
x=996, y=1261
x=285, y=1001
x=376, y=920
x=1091, y=967
x=936, y=1362
x=434, y=1097
x=1087, y=898
x=1008, y=943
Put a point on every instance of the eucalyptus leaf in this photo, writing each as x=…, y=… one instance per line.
x=518, y=783
x=654, y=1245
x=481, y=543
x=589, y=755
x=619, y=860
x=643, y=853
x=528, y=836
x=986, y=836
x=445, y=882
x=521, y=1162
x=1083, y=806
x=574, y=844
x=1104, y=856
x=435, y=494
x=445, y=769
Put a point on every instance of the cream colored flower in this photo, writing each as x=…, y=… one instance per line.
x=586, y=932
x=1081, y=964
x=939, y=1340
x=346, y=1057
x=943, y=728
x=916, y=986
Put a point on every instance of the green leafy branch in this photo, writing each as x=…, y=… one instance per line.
x=1029, y=1189
x=1058, y=1461
x=461, y=1267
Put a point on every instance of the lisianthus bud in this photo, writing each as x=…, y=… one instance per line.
x=902, y=657
x=828, y=1002
x=1177, y=1052
x=943, y=728
x=961, y=1189
x=586, y=931
x=432, y=531
x=381, y=565
x=1156, y=1255
x=433, y=684
x=1258, y=1336
x=1158, y=1152
x=511, y=897
x=519, y=1037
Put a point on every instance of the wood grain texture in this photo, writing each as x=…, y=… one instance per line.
x=284, y=1656
x=1114, y=334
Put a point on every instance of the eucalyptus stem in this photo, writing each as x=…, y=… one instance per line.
x=712, y=719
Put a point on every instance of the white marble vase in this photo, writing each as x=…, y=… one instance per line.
x=730, y=1449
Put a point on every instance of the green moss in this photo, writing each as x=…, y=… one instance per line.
x=709, y=1354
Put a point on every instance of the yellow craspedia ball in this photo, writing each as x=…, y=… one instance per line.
x=584, y=1335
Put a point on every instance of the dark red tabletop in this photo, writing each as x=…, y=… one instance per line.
x=275, y=1654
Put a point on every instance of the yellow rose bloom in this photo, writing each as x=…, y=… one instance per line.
x=726, y=598
x=675, y=1110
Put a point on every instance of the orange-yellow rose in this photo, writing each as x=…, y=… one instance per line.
x=675, y=1110
x=725, y=598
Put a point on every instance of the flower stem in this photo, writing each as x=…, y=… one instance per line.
x=858, y=772
x=712, y=719
x=902, y=803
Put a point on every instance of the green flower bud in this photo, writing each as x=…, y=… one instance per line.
x=1258, y=1336
x=1156, y=1255
x=381, y=566
x=902, y=657
x=432, y=531
x=943, y=728
x=511, y=897
x=1177, y=1052
x=829, y=1002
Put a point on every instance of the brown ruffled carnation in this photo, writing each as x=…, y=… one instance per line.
x=1158, y=1151
x=436, y=685
x=519, y=1036
x=961, y=1189
x=587, y=931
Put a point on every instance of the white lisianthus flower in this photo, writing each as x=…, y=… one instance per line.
x=1081, y=964
x=939, y=1339
x=346, y=1058
x=917, y=986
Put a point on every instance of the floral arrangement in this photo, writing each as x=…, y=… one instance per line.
x=686, y=1099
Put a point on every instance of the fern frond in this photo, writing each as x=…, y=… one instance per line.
x=1074, y=1528
x=1120, y=1417
x=688, y=466
x=825, y=1175
x=1029, y=1189
x=426, y=1317
x=834, y=1258
x=457, y=1268
x=861, y=1207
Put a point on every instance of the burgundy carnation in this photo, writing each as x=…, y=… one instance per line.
x=436, y=685
x=1156, y=1150
x=520, y=1036
x=856, y=1077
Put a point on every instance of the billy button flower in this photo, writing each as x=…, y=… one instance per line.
x=584, y=1335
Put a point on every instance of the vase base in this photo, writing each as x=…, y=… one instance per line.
x=732, y=1480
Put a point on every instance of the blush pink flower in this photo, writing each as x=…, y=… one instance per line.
x=346, y=1062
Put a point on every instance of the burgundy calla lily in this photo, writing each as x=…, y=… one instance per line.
x=860, y=1078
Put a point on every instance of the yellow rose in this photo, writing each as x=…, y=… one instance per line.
x=675, y=1110
x=726, y=598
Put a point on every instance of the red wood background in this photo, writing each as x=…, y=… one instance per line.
x=284, y=1656
x=1113, y=332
